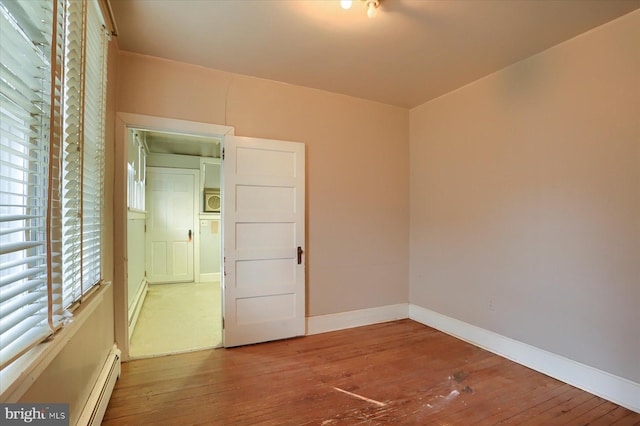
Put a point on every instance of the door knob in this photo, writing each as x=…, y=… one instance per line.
x=300, y=251
x=189, y=234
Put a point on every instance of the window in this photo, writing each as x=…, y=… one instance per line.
x=136, y=166
x=84, y=112
x=52, y=108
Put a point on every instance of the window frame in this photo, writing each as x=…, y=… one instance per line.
x=32, y=357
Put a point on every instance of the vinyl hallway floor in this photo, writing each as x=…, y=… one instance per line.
x=178, y=318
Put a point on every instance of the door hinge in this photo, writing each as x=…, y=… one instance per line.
x=223, y=153
x=223, y=322
x=145, y=227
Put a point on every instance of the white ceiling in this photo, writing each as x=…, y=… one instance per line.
x=175, y=143
x=413, y=51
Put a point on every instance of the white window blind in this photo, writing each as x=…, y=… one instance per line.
x=71, y=252
x=54, y=213
x=85, y=101
x=52, y=112
x=29, y=106
x=94, y=117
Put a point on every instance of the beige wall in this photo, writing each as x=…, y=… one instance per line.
x=357, y=168
x=525, y=200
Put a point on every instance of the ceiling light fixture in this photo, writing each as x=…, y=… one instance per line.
x=372, y=6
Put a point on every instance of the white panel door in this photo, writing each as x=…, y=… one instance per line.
x=170, y=224
x=264, y=235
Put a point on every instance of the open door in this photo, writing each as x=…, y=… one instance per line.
x=264, y=240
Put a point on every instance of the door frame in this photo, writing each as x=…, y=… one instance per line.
x=125, y=121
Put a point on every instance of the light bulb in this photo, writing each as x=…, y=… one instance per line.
x=372, y=11
x=346, y=4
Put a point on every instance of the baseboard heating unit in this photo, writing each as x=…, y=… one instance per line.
x=96, y=405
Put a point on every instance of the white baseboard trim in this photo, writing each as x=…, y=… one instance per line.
x=332, y=322
x=96, y=405
x=210, y=277
x=606, y=385
x=137, y=305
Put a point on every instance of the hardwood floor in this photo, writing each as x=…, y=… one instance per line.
x=399, y=372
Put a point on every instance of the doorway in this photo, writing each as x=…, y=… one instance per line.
x=263, y=186
x=172, y=307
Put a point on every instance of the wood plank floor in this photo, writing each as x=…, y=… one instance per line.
x=399, y=372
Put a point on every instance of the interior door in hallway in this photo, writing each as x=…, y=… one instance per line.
x=170, y=224
x=263, y=217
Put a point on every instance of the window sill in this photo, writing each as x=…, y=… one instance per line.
x=136, y=214
x=17, y=378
